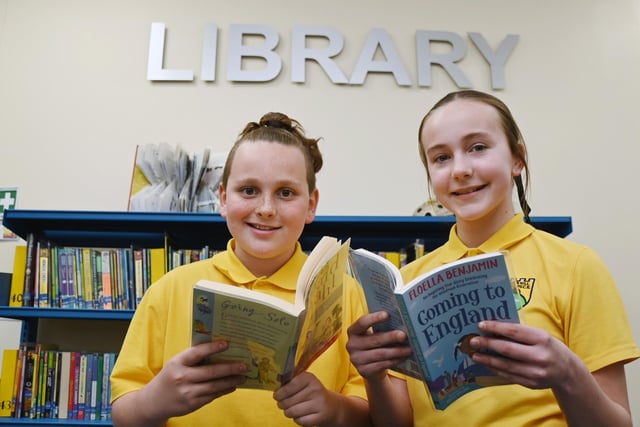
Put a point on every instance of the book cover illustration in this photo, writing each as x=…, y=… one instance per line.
x=274, y=338
x=440, y=311
x=259, y=335
x=444, y=309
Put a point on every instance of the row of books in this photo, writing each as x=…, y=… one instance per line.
x=178, y=257
x=50, y=276
x=46, y=275
x=41, y=382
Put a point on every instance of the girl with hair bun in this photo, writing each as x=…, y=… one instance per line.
x=267, y=195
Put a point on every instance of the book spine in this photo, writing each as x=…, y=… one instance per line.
x=71, y=279
x=118, y=284
x=93, y=401
x=96, y=262
x=158, y=263
x=76, y=277
x=18, y=386
x=43, y=276
x=63, y=278
x=30, y=382
x=413, y=339
x=74, y=380
x=82, y=386
x=54, y=277
x=17, y=277
x=105, y=412
x=88, y=388
x=65, y=382
x=7, y=381
x=99, y=387
x=37, y=407
x=54, y=397
x=139, y=275
x=107, y=302
x=87, y=279
x=30, y=271
x=131, y=293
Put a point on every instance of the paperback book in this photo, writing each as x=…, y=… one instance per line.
x=440, y=310
x=274, y=338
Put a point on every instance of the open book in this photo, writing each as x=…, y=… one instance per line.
x=439, y=311
x=276, y=339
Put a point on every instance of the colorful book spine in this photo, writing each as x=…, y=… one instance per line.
x=81, y=384
x=18, y=385
x=30, y=271
x=107, y=291
x=29, y=381
x=87, y=279
x=73, y=386
x=105, y=412
x=43, y=276
x=138, y=265
x=54, y=279
x=96, y=263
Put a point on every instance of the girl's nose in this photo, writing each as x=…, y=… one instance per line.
x=266, y=206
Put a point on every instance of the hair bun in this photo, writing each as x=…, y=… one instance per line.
x=276, y=120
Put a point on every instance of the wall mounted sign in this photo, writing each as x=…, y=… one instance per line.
x=379, y=43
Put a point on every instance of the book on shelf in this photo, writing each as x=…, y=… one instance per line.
x=274, y=338
x=17, y=276
x=440, y=310
x=7, y=380
x=30, y=271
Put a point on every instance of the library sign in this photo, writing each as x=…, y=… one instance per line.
x=378, y=44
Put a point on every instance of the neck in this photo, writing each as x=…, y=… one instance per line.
x=474, y=233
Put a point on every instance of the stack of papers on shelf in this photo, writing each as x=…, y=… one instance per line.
x=167, y=179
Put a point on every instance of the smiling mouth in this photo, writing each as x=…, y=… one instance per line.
x=262, y=227
x=468, y=190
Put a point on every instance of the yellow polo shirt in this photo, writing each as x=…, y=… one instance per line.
x=161, y=328
x=568, y=292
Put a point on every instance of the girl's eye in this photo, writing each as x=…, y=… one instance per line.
x=440, y=158
x=478, y=147
x=248, y=191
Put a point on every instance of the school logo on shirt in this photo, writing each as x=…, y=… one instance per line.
x=525, y=289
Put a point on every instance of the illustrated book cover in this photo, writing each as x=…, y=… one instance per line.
x=440, y=311
x=276, y=339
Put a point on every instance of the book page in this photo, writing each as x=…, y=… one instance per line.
x=326, y=247
x=324, y=307
x=378, y=278
x=259, y=334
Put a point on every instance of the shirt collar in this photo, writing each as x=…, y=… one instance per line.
x=229, y=265
x=511, y=233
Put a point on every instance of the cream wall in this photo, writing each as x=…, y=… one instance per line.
x=74, y=102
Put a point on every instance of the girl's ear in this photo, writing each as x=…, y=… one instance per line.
x=518, y=163
x=222, y=194
x=314, y=197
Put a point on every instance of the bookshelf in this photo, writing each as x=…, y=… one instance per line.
x=188, y=230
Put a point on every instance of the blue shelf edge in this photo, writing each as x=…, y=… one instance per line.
x=25, y=313
x=8, y=421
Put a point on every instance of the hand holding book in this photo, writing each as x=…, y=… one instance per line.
x=440, y=311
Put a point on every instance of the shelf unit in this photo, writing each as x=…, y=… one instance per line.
x=193, y=230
